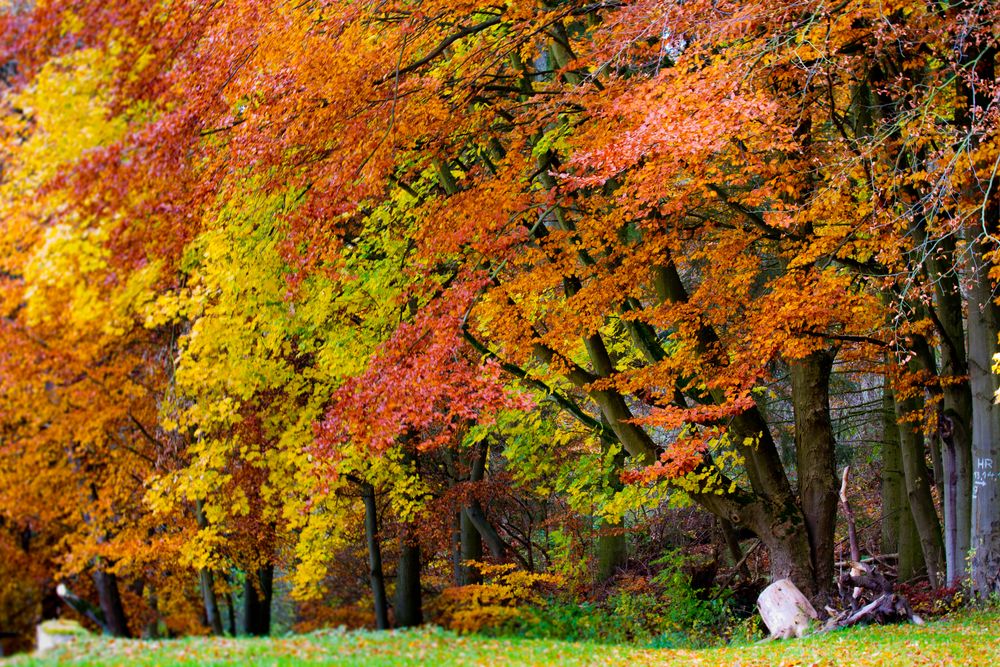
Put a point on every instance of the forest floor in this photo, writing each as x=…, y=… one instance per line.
x=969, y=639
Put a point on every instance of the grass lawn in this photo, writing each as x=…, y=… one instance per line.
x=971, y=639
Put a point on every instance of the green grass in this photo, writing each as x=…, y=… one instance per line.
x=971, y=639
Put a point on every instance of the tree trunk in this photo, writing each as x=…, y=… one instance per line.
x=925, y=360
x=110, y=601
x=955, y=417
x=815, y=460
x=470, y=540
x=472, y=550
x=50, y=603
x=918, y=490
x=974, y=96
x=497, y=547
x=230, y=604
x=409, y=609
x=612, y=550
x=257, y=593
x=911, y=556
x=780, y=528
x=892, y=475
x=612, y=545
x=376, y=576
x=456, y=548
x=152, y=629
x=899, y=533
x=791, y=558
x=206, y=578
x=733, y=544
x=230, y=614
x=984, y=323
x=950, y=521
x=207, y=581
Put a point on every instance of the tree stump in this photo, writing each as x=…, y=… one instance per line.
x=785, y=610
x=54, y=633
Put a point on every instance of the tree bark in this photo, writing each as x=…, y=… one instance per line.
x=109, y=598
x=456, y=548
x=257, y=592
x=409, y=608
x=206, y=578
x=470, y=539
x=230, y=606
x=918, y=489
x=472, y=550
x=207, y=582
x=925, y=360
x=911, y=557
x=815, y=460
x=612, y=544
x=984, y=324
x=376, y=576
x=974, y=97
x=735, y=550
x=892, y=475
x=899, y=533
x=955, y=416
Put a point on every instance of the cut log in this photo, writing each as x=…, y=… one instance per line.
x=785, y=610
x=57, y=632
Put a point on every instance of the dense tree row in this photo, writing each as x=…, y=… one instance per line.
x=326, y=290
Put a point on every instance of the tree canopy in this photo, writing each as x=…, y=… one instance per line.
x=286, y=283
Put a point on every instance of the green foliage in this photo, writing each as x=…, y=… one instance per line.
x=662, y=612
x=568, y=620
x=685, y=610
x=566, y=557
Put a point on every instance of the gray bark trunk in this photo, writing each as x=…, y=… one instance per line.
x=984, y=323
x=230, y=614
x=206, y=579
x=815, y=460
x=497, y=547
x=207, y=582
x=733, y=544
x=955, y=417
x=918, y=490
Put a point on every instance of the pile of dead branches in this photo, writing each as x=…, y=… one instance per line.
x=868, y=594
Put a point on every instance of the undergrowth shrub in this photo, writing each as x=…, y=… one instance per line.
x=686, y=609
x=930, y=602
x=500, y=599
x=661, y=611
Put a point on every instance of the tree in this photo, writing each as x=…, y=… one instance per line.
x=348, y=252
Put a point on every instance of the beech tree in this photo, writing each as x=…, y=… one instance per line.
x=303, y=251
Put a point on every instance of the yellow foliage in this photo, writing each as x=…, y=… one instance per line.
x=501, y=598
